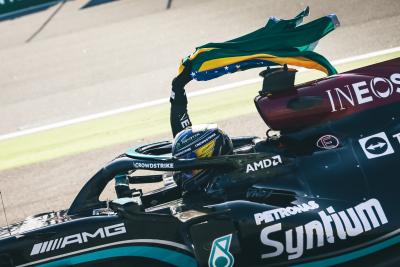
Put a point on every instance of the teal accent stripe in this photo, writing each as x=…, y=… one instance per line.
x=161, y=254
x=353, y=255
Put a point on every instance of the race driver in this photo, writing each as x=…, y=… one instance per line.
x=200, y=141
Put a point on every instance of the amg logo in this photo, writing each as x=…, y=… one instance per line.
x=79, y=238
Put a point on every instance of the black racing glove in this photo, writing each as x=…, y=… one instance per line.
x=184, y=77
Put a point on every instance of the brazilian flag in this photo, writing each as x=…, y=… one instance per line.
x=279, y=42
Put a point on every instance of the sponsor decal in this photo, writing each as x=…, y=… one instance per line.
x=186, y=140
x=206, y=150
x=152, y=165
x=277, y=214
x=263, y=164
x=185, y=122
x=220, y=255
x=79, y=238
x=364, y=92
x=397, y=136
x=328, y=142
x=202, y=142
x=377, y=145
x=183, y=152
x=190, y=141
x=328, y=229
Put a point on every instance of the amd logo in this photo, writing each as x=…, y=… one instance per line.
x=362, y=92
x=263, y=164
x=79, y=238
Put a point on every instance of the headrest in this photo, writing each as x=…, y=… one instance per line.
x=277, y=80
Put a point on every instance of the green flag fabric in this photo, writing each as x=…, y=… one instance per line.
x=279, y=42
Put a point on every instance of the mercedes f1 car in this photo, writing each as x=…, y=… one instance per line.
x=323, y=192
x=319, y=190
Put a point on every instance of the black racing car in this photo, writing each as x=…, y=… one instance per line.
x=322, y=192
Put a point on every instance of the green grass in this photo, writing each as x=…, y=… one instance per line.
x=138, y=124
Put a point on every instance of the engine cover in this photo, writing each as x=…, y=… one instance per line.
x=331, y=98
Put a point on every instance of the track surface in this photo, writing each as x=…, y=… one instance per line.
x=91, y=60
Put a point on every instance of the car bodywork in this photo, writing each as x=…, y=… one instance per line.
x=323, y=192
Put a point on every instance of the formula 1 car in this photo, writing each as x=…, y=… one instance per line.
x=321, y=193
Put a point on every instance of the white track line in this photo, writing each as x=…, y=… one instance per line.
x=165, y=100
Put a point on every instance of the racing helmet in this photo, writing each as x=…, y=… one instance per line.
x=199, y=141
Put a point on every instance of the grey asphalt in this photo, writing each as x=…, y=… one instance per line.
x=117, y=54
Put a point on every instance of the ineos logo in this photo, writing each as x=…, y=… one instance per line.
x=381, y=91
x=362, y=92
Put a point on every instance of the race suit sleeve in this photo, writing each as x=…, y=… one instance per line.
x=179, y=117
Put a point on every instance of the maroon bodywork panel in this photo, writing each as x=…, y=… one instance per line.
x=332, y=98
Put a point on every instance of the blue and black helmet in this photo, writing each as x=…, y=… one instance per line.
x=199, y=141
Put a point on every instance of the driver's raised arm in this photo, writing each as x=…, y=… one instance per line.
x=179, y=118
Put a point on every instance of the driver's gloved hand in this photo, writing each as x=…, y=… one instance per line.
x=184, y=77
x=178, y=95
